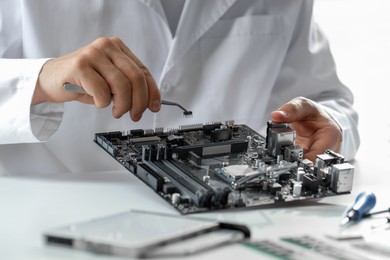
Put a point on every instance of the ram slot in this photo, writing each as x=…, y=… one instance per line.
x=192, y=176
x=199, y=194
x=150, y=177
x=218, y=196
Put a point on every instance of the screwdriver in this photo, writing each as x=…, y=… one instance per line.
x=364, y=202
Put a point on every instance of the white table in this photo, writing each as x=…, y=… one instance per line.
x=31, y=205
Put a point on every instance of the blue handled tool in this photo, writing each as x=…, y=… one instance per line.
x=363, y=204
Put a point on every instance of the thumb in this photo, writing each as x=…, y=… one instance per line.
x=279, y=116
x=294, y=110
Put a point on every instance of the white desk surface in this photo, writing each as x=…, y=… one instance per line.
x=31, y=205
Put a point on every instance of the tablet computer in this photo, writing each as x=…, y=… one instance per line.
x=145, y=234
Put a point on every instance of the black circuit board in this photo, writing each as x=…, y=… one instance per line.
x=213, y=166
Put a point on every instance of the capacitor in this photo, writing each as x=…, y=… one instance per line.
x=206, y=179
x=300, y=174
x=297, y=189
x=257, y=163
x=265, y=185
x=175, y=198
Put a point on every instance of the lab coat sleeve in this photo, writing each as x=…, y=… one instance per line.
x=309, y=70
x=347, y=118
x=21, y=122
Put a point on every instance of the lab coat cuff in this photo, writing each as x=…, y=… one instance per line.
x=351, y=141
x=46, y=119
x=21, y=122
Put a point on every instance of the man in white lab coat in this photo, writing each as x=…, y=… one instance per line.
x=223, y=60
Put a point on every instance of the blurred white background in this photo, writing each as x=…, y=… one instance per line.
x=359, y=36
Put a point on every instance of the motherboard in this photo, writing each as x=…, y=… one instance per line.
x=223, y=165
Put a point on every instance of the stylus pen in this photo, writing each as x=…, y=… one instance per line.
x=78, y=89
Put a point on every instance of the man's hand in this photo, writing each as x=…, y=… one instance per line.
x=316, y=131
x=108, y=71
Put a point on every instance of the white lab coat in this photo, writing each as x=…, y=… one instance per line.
x=229, y=59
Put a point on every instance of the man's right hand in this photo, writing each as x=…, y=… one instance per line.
x=108, y=71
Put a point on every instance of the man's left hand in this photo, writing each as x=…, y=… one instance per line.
x=316, y=131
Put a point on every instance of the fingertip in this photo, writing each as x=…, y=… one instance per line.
x=279, y=115
x=116, y=113
x=310, y=156
x=154, y=97
x=283, y=113
x=155, y=105
x=136, y=117
x=101, y=102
